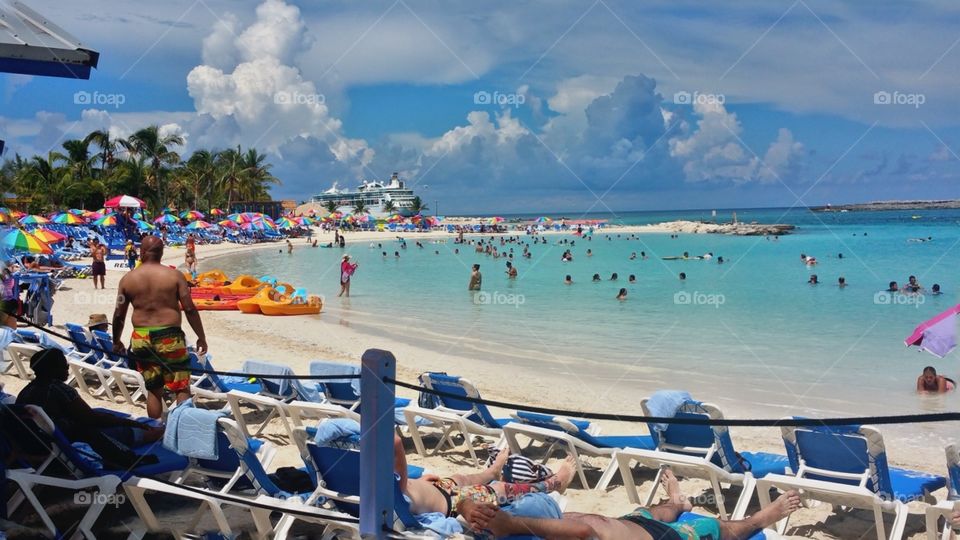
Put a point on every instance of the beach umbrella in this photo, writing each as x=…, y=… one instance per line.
x=228, y=224
x=287, y=223
x=16, y=214
x=937, y=336
x=108, y=220
x=191, y=215
x=543, y=219
x=199, y=224
x=143, y=225
x=67, y=218
x=76, y=212
x=124, y=201
x=165, y=218
x=19, y=240
x=494, y=220
x=48, y=236
x=216, y=212
x=35, y=220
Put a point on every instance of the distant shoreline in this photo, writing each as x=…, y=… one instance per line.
x=877, y=206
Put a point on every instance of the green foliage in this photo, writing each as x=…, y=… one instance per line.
x=145, y=165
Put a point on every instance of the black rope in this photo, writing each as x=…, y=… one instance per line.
x=255, y=504
x=780, y=422
x=133, y=361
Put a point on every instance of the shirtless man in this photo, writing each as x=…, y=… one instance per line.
x=99, y=268
x=476, y=280
x=431, y=493
x=930, y=381
x=656, y=523
x=157, y=293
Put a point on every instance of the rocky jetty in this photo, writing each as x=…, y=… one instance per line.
x=735, y=229
x=890, y=205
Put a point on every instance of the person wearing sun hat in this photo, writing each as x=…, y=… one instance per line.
x=97, y=321
x=346, y=271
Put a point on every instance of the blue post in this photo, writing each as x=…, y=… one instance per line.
x=376, y=443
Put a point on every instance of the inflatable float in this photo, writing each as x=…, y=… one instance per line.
x=271, y=301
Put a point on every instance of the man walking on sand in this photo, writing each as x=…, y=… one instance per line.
x=157, y=344
x=99, y=267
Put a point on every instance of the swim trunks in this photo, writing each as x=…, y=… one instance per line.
x=702, y=528
x=161, y=355
x=98, y=268
x=455, y=494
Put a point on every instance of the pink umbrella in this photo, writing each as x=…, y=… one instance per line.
x=124, y=201
x=938, y=336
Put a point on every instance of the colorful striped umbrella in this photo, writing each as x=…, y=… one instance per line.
x=199, y=224
x=4, y=218
x=19, y=240
x=124, y=201
x=108, y=220
x=166, y=218
x=287, y=223
x=26, y=220
x=16, y=214
x=396, y=218
x=67, y=218
x=77, y=212
x=48, y=236
x=228, y=224
x=191, y=215
x=216, y=212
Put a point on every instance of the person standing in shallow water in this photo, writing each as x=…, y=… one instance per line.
x=476, y=279
x=346, y=272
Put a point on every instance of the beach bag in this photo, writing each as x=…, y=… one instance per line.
x=519, y=469
x=426, y=400
x=292, y=480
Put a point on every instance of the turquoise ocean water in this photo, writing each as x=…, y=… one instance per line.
x=750, y=331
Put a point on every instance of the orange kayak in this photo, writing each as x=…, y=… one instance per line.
x=312, y=306
x=209, y=304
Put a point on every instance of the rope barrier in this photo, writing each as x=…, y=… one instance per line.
x=781, y=422
x=728, y=422
x=132, y=361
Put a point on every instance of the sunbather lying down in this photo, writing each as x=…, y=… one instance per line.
x=431, y=493
x=655, y=523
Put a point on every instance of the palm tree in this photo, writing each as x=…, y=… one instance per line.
x=360, y=207
x=41, y=179
x=256, y=175
x=389, y=207
x=417, y=206
x=331, y=206
x=108, y=147
x=148, y=143
x=198, y=174
x=230, y=173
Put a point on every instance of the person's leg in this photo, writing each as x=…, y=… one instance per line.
x=785, y=505
x=676, y=503
x=502, y=524
x=507, y=492
x=488, y=475
x=155, y=403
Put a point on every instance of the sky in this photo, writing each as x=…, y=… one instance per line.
x=546, y=106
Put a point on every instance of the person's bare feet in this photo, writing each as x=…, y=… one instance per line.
x=564, y=474
x=672, y=486
x=496, y=468
x=785, y=505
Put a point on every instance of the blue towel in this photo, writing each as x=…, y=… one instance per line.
x=535, y=505
x=664, y=404
x=338, y=432
x=440, y=524
x=322, y=367
x=8, y=336
x=192, y=432
x=286, y=386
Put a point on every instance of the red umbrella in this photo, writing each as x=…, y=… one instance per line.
x=124, y=201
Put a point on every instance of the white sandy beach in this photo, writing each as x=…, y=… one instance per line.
x=234, y=337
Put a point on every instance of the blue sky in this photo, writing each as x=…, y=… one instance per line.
x=604, y=105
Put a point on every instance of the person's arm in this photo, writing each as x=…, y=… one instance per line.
x=920, y=383
x=83, y=415
x=120, y=316
x=193, y=316
x=400, y=462
x=941, y=384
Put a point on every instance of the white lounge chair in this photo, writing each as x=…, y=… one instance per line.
x=944, y=509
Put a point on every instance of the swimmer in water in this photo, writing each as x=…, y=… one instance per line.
x=632, y=279
x=568, y=280
x=396, y=254
x=813, y=279
x=841, y=282
x=589, y=253
x=633, y=255
x=912, y=285
x=719, y=260
x=643, y=255
x=935, y=290
x=511, y=271
x=892, y=287
x=614, y=276
x=683, y=276
x=929, y=381
x=596, y=278
x=622, y=295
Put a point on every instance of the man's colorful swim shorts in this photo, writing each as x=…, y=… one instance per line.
x=161, y=355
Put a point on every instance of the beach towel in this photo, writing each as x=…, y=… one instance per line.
x=440, y=524
x=320, y=367
x=339, y=433
x=192, y=432
x=664, y=404
x=284, y=386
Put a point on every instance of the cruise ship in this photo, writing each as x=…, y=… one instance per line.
x=374, y=194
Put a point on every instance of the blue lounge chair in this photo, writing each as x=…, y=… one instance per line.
x=574, y=436
x=453, y=416
x=344, y=392
x=692, y=451
x=210, y=385
x=847, y=466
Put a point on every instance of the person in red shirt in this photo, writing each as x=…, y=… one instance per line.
x=191, y=245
